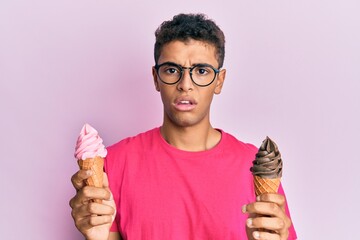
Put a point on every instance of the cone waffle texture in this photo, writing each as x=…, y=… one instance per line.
x=97, y=166
x=266, y=185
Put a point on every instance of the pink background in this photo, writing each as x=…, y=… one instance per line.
x=293, y=74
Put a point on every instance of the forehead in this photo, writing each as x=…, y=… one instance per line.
x=188, y=52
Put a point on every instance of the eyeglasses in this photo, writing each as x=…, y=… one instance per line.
x=201, y=74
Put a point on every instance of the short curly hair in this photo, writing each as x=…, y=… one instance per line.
x=184, y=27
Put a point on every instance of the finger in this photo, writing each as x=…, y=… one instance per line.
x=72, y=202
x=264, y=208
x=90, y=192
x=274, y=224
x=110, y=201
x=266, y=235
x=273, y=197
x=87, y=193
x=78, y=178
x=93, y=221
x=94, y=208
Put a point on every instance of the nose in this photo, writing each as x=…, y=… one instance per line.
x=185, y=84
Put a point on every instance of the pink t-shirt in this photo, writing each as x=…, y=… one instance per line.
x=165, y=193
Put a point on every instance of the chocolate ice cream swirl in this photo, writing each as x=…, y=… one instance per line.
x=268, y=163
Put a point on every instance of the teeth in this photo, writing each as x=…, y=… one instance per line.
x=185, y=102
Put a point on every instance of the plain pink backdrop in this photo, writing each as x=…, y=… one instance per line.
x=293, y=73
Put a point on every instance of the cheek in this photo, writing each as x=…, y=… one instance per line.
x=209, y=93
x=206, y=98
x=165, y=97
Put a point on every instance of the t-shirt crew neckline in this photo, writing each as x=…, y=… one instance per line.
x=173, y=150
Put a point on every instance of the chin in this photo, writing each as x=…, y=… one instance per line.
x=184, y=119
x=185, y=122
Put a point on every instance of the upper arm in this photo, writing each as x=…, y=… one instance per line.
x=114, y=236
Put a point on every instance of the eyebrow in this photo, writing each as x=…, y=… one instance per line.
x=195, y=64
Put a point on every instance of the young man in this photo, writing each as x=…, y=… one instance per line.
x=185, y=179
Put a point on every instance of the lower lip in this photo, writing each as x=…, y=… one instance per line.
x=184, y=107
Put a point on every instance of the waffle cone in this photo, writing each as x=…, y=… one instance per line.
x=97, y=166
x=266, y=185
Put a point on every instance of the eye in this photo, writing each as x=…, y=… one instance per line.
x=201, y=70
x=169, y=70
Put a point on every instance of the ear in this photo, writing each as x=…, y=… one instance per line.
x=155, y=78
x=220, y=81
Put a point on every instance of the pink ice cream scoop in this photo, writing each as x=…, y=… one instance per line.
x=89, y=144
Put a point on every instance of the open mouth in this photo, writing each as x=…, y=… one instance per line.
x=185, y=104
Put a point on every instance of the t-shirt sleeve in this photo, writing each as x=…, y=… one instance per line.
x=292, y=232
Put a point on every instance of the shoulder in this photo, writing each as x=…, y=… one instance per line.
x=133, y=141
x=129, y=147
x=235, y=144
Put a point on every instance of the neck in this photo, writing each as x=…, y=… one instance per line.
x=192, y=138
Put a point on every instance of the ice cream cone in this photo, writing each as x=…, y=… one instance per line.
x=266, y=185
x=267, y=168
x=97, y=166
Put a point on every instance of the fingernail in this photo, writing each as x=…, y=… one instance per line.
x=243, y=208
x=258, y=198
x=249, y=222
x=88, y=172
x=256, y=235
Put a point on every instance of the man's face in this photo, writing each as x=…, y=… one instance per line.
x=185, y=103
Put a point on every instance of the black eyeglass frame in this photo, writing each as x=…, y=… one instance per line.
x=157, y=67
